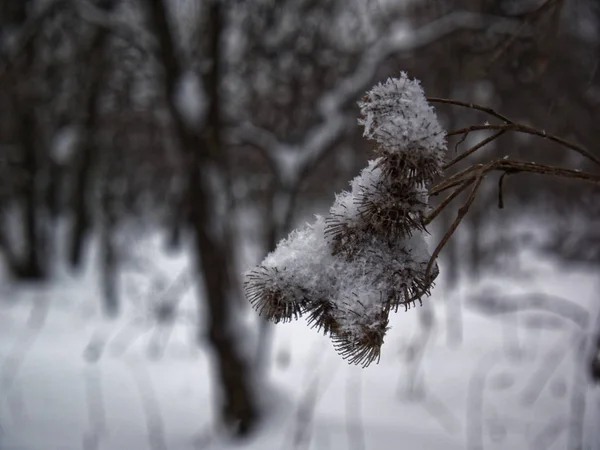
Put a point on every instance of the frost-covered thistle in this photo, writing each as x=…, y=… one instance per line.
x=411, y=141
x=348, y=271
x=376, y=205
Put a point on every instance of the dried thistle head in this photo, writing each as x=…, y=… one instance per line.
x=347, y=272
x=361, y=329
x=376, y=205
x=392, y=208
x=411, y=141
x=291, y=277
x=322, y=315
x=398, y=269
x=274, y=295
x=344, y=235
x=415, y=166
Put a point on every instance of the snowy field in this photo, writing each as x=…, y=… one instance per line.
x=71, y=380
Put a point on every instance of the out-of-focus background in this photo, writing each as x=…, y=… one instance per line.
x=153, y=150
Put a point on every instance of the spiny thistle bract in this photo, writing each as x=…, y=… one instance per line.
x=376, y=205
x=346, y=272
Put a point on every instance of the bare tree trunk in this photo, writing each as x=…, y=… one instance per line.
x=109, y=257
x=30, y=265
x=33, y=266
x=88, y=152
x=204, y=151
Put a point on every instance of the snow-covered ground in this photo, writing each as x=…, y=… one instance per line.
x=71, y=380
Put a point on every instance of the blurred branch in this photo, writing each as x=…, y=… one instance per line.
x=332, y=104
x=135, y=36
x=98, y=63
x=29, y=31
x=404, y=40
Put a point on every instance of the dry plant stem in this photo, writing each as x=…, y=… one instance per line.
x=512, y=167
x=484, y=109
x=433, y=214
x=527, y=130
x=475, y=174
x=473, y=149
x=462, y=212
x=455, y=180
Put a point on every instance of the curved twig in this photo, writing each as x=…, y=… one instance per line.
x=433, y=214
x=527, y=130
x=473, y=149
x=485, y=109
x=462, y=212
x=513, y=166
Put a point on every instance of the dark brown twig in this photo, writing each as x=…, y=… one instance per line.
x=512, y=166
x=462, y=212
x=527, y=130
x=484, y=109
x=476, y=174
x=501, y=190
x=433, y=214
x=473, y=149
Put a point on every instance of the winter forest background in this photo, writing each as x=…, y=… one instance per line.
x=151, y=151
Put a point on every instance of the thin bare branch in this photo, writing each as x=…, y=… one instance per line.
x=528, y=130
x=462, y=212
x=512, y=166
x=133, y=35
x=484, y=109
x=433, y=214
x=473, y=149
x=30, y=30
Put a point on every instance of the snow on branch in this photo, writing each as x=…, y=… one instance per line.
x=403, y=39
x=290, y=161
x=346, y=272
x=129, y=32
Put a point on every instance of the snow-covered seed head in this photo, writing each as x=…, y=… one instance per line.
x=392, y=208
x=376, y=205
x=344, y=235
x=347, y=272
x=410, y=139
x=322, y=316
x=397, y=269
x=273, y=295
x=291, y=276
x=361, y=332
